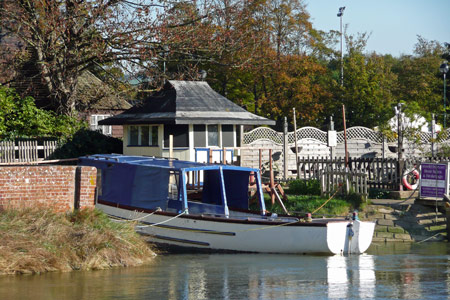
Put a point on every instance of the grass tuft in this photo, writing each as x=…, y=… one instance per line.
x=37, y=240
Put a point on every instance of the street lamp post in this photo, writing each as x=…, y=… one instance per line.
x=165, y=53
x=340, y=14
x=444, y=69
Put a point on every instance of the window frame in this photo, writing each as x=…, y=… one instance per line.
x=218, y=132
x=93, y=123
x=152, y=135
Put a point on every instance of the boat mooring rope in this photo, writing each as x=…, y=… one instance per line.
x=133, y=220
x=428, y=238
x=244, y=230
x=162, y=222
x=327, y=201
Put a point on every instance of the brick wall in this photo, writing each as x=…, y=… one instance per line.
x=59, y=187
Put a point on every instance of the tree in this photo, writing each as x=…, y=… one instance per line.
x=367, y=90
x=419, y=79
x=65, y=37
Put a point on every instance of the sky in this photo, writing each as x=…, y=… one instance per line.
x=393, y=24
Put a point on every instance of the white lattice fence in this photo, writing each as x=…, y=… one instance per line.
x=263, y=133
x=312, y=142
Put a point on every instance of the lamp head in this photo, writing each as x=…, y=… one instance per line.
x=203, y=74
x=444, y=67
x=341, y=11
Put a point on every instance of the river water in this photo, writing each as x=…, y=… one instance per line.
x=405, y=271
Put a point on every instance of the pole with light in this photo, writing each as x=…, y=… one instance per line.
x=444, y=69
x=340, y=14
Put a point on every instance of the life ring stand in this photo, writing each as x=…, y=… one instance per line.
x=411, y=175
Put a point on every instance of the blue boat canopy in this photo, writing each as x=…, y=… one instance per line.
x=150, y=183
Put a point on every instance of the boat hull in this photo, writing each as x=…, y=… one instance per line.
x=249, y=235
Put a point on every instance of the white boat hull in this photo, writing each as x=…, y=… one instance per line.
x=221, y=234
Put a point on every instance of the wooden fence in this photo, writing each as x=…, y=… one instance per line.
x=381, y=172
x=26, y=150
x=343, y=182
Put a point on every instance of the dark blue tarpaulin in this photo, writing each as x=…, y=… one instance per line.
x=144, y=182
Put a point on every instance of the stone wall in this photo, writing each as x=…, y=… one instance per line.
x=62, y=188
x=405, y=223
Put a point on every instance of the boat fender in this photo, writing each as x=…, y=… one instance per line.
x=408, y=174
x=273, y=216
x=350, y=231
x=308, y=218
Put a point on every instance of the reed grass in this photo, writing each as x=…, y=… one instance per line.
x=37, y=240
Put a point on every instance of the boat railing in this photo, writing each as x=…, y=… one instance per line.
x=254, y=218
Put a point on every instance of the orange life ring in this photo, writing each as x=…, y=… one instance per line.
x=411, y=179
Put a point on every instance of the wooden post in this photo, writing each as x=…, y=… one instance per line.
x=260, y=161
x=272, y=179
x=332, y=147
x=400, y=146
x=170, y=146
x=447, y=213
x=296, y=148
x=224, y=156
x=433, y=136
x=285, y=149
x=210, y=155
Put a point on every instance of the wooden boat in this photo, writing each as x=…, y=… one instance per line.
x=198, y=206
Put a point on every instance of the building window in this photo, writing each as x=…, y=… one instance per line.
x=143, y=136
x=199, y=135
x=213, y=135
x=180, y=135
x=107, y=130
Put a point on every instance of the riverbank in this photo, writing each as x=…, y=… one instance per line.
x=405, y=221
x=39, y=240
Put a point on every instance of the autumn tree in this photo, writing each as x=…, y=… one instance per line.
x=65, y=37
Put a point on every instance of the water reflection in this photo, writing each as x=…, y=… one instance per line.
x=359, y=272
x=337, y=277
x=414, y=272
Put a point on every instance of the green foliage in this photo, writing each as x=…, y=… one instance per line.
x=304, y=187
x=355, y=200
x=375, y=193
x=85, y=142
x=300, y=205
x=19, y=117
x=367, y=90
x=443, y=150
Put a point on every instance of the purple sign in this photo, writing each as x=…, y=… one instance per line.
x=433, y=180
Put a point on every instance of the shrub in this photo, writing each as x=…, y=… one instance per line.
x=304, y=187
x=19, y=117
x=378, y=193
x=85, y=142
